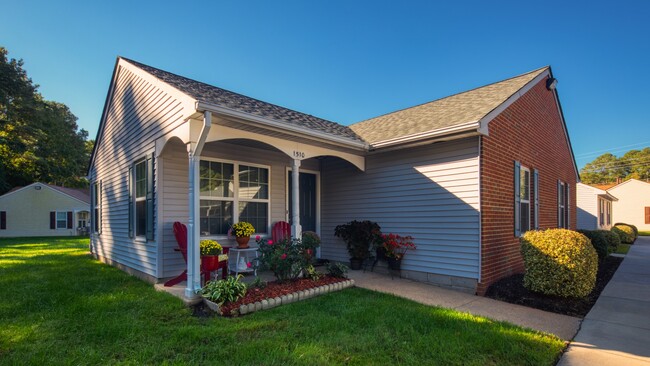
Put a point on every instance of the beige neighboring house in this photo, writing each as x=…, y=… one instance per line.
x=633, y=205
x=595, y=207
x=44, y=210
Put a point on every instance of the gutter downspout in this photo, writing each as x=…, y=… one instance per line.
x=193, y=233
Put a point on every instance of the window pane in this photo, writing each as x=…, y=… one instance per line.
x=524, y=212
x=216, y=179
x=253, y=183
x=140, y=179
x=140, y=218
x=524, y=185
x=256, y=213
x=216, y=217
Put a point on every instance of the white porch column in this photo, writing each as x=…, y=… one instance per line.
x=296, y=228
x=193, y=234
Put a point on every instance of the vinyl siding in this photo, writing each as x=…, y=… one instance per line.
x=175, y=185
x=429, y=192
x=138, y=113
x=633, y=197
x=587, y=202
x=28, y=211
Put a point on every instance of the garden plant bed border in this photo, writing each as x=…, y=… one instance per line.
x=278, y=293
x=511, y=289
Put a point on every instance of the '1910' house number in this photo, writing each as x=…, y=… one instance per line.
x=298, y=154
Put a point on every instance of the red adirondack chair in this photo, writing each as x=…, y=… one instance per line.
x=180, y=232
x=281, y=230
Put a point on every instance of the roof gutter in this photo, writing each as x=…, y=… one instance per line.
x=465, y=127
x=358, y=145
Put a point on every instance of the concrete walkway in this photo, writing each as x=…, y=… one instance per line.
x=617, y=329
x=565, y=327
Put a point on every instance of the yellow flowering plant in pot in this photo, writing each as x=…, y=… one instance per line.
x=210, y=250
x=242, y=231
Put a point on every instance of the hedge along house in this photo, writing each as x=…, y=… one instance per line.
x=465, y=175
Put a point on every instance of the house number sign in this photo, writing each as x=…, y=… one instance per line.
x=298, y=154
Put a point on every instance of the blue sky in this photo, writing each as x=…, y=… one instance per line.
x=350, y=60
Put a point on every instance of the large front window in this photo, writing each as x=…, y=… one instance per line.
x=61, y=220
x=233, y=192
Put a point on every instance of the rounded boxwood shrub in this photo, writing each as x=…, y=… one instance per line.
x=599, y=242
x=636, y=230
x=625, y=232
x=613, y=240
x=559, y=262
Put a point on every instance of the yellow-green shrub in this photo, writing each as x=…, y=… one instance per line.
x=559, y=262
x=625, y=232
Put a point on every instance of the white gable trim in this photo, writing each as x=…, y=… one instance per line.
x=483, y=122
x=44, y=186
x=627, y=181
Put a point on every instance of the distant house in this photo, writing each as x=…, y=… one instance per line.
x=633, y=205
x=595, y=208
x=465, y=175
x=44, y=210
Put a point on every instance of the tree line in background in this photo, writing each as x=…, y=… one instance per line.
x=39, y=139
x=607, y=168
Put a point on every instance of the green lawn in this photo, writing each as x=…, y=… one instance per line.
x=59, y=306
x=622, y=249
x=644, y=233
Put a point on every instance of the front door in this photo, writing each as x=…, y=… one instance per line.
x=307, y=201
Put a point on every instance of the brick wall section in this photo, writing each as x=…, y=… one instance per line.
x=531, y=132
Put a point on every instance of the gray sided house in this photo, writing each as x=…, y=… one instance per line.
x=174, y=149
x=41, y=209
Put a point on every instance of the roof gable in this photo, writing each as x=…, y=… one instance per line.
x=463, y=109
x=81, y=195
x=209, y=94
x=630, y=181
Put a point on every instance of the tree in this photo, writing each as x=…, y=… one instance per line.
x=39, y=139
x=607, y=168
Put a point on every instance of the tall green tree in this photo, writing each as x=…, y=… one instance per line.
x=607, y=168
x=39, y=139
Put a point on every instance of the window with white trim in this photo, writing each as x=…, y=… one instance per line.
x=601, y=212
x=562, y=205
x=608, y=212
x=140, y=181
x=232, y=192
x=524, y=199
x=61, y=220
x=96, y=197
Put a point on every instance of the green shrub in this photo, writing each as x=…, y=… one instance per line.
x=559, y=262
x=336, y=269
x=636, y=230
x=224, y=291
x=613, y=240
x=599, y=242
x=625, y=232
x=287, y=258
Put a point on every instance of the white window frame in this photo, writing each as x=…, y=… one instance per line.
x=137, y=199
x=608, y=212
x=522, y=171
x=601, y=212
x=562, y=205
x=235, y=199
x=65, y=220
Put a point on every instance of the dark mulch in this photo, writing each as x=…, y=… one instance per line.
x=511, y=289
x=271, y=290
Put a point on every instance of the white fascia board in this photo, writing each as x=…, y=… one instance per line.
x=469, y=126
x=483, y=122
x=281, y=126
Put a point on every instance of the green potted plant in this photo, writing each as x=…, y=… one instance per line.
x=210, y=251
x=217, y=293
x=242, y=231
x=394, y=248
x=358, y=236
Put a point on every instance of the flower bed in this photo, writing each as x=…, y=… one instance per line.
x=279, y=293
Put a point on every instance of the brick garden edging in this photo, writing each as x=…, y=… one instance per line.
x=284, y=299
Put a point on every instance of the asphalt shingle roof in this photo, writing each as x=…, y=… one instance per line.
x=465, y=107
x=213, y=95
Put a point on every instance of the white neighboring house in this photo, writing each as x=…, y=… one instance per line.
x=595, y=208
x=633, y=205
x=44, y=210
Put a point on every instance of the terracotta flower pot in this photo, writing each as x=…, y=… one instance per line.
x=242, y=241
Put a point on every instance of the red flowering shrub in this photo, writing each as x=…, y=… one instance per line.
x=287, y=259
x=396, y=246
